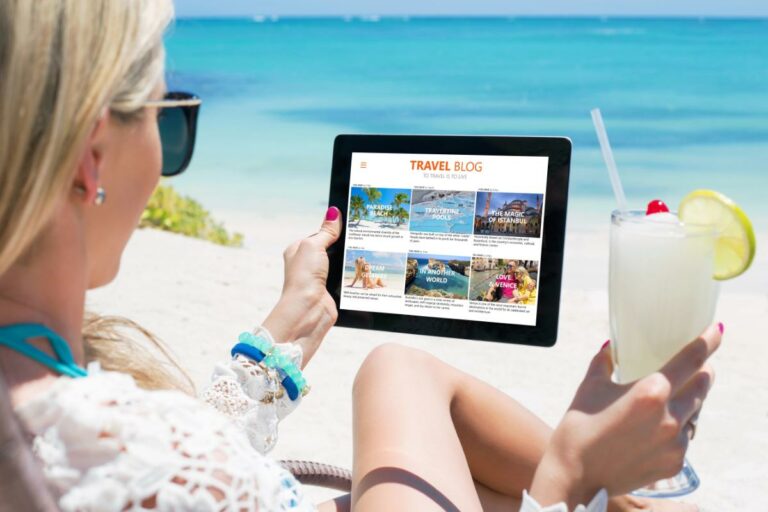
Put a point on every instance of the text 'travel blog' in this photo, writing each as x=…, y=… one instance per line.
x=445, y=165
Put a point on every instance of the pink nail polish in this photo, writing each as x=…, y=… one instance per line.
x=605, y=344
x=721, y=327
x=332, y=213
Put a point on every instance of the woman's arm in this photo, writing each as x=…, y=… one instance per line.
x=358, y=274
x=621, y=437
x=253, y=395
x=306, y=311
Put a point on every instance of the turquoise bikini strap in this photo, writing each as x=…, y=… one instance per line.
x=15, y=337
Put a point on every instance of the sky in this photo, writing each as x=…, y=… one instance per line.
x=389, y=259
x=735, y=8
x=498, y=200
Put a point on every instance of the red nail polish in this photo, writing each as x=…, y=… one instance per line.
x=605, y=344
x=332, y=213
x=721, y=327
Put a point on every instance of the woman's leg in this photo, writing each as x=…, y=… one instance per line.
x=424, y=432
x=428, y=436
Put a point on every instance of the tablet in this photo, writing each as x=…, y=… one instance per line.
x=455, y=236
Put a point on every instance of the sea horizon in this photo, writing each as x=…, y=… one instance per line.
x=369, y=17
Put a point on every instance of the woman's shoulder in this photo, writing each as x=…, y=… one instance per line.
x=100, y=393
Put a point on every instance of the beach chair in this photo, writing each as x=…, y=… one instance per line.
x=22, y=487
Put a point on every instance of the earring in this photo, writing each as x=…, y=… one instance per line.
x=101, y=196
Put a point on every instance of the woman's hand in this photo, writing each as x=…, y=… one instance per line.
x=305, y=311
x=622, y=437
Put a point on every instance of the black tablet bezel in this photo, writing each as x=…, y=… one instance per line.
x=557, y=149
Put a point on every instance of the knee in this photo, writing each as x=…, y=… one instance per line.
x=389, y=362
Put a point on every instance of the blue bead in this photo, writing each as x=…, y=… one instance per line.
x=291, y=388
x=248, y=351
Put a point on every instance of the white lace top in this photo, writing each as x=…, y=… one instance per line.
x=108, y=445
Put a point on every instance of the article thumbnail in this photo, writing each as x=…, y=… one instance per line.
x=442, y=211
x=379, y=208
x=508, y=214
x=445, y=277
x=504, y=280
x=372, y=270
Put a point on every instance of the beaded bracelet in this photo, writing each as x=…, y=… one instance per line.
x=268, y=354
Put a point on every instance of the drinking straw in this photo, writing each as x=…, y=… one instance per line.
x=613, y=172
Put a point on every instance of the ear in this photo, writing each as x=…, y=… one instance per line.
x=87, y=179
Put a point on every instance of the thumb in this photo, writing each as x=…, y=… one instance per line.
x=331, y=227
x=602, y=363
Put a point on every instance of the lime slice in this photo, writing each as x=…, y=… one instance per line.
x=735, y=245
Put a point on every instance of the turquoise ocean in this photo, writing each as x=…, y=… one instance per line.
x=685, y=101
x=448, y=281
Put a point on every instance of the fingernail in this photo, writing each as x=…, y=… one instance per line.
x=721, y=327
x=605, y=344
x=332, y=213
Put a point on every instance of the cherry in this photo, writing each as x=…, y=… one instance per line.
x=656, y=206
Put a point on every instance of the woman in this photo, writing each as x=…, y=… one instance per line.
x=370, y=280
x=359, y=264
x=81, y=88
x=523, y=287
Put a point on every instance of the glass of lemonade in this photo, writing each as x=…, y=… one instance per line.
x=662, y=295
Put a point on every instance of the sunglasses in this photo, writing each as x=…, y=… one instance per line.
x=177, y=122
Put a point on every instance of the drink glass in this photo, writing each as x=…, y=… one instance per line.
x=661, y=297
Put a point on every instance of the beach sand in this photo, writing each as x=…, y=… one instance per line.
x=198, y=297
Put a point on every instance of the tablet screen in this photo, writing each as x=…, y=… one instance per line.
x=445, y=236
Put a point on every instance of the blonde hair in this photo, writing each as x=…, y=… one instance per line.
x=526, y=275
x=62, y=63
